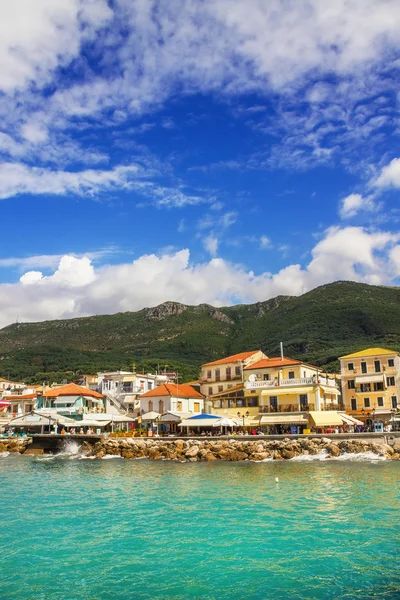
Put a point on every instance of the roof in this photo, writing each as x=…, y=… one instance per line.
x=228, y=391
x=369, y=352
x=71, y=389
x=183, y=390
x=22, y=397
x=231, y=359
x=274, y=362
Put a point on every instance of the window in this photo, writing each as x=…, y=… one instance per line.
x=150, y=405
x=217, y=375
x=231, y=403
x=196, y=407
x=266, y=376
x=378, y=386
x=149, y=385
x=228, y=373
x=391, y=362
x=161, y=407
x=127, y=387
x=350, y=367
x=252, y=401
x=391, y=381
x=353, y=404
x=209, y=375
x=220, y=388
x=229, y=386
x=179, y=405
x=351, y=384
x=367, y=402
x=365, y=387
x=364, y=367
x=210, y=391
x=291, y=375
x=303, y=401
x=239, y=403
x=238, y=371
x=394, y=401
x=380, y=401
x=377, y=366
x=217, y=404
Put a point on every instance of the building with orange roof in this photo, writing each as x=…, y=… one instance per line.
x=222, y=374
x=171, y=397
x=73, y=399
x=21, y=403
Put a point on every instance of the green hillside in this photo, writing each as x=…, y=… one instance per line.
x=317, y=327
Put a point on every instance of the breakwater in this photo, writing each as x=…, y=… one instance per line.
x=193, y=450
x=208, y=449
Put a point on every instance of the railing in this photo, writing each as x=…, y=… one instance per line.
x=271, y=383
x=284, y=408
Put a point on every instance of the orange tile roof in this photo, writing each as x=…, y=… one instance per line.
x=71, y=389
x=231, y=359
x=273, y=362
x=22, y=397
x=171, y=389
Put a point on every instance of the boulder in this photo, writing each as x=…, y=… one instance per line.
x=260, y=455
x=287, y=454
x=333, y=450
x=237, y=455
x=192, y=452
x=209, y=456
x=126, y=453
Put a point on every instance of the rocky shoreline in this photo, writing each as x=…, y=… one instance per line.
x=191, y=450
x=235, y=450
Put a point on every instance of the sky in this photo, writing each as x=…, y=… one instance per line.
x=214, y=151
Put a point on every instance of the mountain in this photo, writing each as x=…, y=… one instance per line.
x=316, y=327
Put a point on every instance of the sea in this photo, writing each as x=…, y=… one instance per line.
x=112, y=529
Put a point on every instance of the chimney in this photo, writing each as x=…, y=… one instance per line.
x=281, y=345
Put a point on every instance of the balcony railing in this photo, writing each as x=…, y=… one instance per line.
x=284, y=408
x=271, y=383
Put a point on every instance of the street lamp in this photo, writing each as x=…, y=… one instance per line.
x=243, y=416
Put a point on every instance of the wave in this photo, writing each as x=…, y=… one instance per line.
x=110, y=456
x=324, y=456
x=4, y=454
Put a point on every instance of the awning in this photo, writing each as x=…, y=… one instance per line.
x=278, y=419
x=174, y=417
x=349, y=420
x=89, y=423
x=324, y=418
x=197, y=423
x=287, y=391
x=367, y=378
x=329, y=389
x=150, y=416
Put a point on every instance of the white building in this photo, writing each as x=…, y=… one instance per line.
x=172, y=397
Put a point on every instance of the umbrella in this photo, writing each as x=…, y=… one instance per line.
x=226, y=422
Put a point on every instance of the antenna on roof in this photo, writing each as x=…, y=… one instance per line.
x=281, y=345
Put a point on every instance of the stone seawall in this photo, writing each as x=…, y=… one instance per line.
x=235, y=450
x=17, y=445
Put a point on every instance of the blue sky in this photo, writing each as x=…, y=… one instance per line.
x=197, y=150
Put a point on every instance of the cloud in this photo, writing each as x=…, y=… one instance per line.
x=355, y=203
x=389, y=177
x=265, y=242
x=77, y=288
x=211, y=243
x=20, y=179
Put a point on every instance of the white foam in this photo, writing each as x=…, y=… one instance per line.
x=323, y=456
x=4, y=454
x=110, y=456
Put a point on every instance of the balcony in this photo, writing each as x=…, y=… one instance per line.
x=285, y=408
x=271, y=383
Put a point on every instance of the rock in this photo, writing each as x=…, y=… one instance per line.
x=167, y=309
x=87, y=449
x=100, y=453
x=395, y=456
x=193, y=451
x=126, y=453
x=238, y=455
x=260, y=455
x=333, y=450
x=287, y=454
x=209, y=456
x=276, y=455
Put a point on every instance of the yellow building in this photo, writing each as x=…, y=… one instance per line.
x=371, y=383
x=282, y=391
x=225, y=373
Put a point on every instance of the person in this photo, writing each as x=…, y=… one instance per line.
x=72, y=431
x=63, y=432
x=81, y=432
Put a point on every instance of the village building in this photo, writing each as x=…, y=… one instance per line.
x=371, y=385
x=282, y=392
x=172, y=397
x=72, y=399
x=225, y=373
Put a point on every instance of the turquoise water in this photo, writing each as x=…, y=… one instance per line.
x=111, y=529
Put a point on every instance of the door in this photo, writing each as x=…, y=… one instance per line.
x=353, y=404
x=196, y=407
x=273, y=402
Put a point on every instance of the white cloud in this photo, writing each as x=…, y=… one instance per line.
x=265, y=242
x=77, y=288
x=211, y=244
x=356, y=203
x=389, y=176
x=20, y=179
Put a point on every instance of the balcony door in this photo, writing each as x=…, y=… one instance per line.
x=273, y=402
